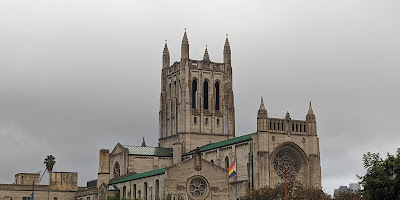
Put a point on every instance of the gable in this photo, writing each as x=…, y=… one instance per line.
x=118, y=149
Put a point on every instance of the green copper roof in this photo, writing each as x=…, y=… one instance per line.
x=112, y=188
x=149, y=151
x=139, y=176
x=223, y=143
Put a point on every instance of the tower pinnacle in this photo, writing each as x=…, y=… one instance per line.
x=143, y=143
x=165, y=57
x=262, y=107
x=310, y=110
x=227, y=51
x=185, y=47
x=206, y=56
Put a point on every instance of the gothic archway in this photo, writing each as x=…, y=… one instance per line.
x=117, y=170
x=289, y=159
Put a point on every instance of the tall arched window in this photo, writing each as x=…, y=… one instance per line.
x=145, y=190
x=117, y=170
x=194, y=93
x=227, y=162
x=134, y=191
x=124, y=192
x=216, y=96
x=157, y=192
x=205, y=87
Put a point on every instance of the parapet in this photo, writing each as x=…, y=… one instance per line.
x=66, y=181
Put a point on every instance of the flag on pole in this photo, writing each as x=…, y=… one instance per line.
x=232, y=170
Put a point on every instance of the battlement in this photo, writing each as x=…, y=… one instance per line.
x=195, y=64
x=286, y=125
x=277, y=125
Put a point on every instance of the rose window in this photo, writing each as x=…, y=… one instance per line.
x=285, y=163
x=197, y=188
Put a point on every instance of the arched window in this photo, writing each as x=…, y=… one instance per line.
x=145, y=190
x=205, y=93
x=117, y=170
x=227, y=162
x=157, y=192
x=134, y=191
x=124, y=192
x=194, y=93
x=212, y=161
x=216, y=96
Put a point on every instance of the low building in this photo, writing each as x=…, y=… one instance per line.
x=62, y=186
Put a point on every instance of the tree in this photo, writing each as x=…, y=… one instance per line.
x=382, y=179
x=49, y=161
x=296, y=191
x=349, y=195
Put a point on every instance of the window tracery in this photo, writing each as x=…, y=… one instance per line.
x=286, y=162
x=197, y=188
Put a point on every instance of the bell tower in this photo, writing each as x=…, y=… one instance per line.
x=196, y=100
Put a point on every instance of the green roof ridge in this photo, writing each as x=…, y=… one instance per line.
x=139, y=176
x=149, y=151
x=223, y=143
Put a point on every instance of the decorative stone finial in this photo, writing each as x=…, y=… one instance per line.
x=143, y=143
x=310, y=110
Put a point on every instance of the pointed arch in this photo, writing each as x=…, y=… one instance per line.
x=226, y=162
x=117, y=170
x=194, y=93
x=205, y=94
x=157, y=190
x=216, y=95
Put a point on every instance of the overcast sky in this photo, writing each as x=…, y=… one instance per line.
x=78, y=75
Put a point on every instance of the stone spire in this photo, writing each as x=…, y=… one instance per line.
x=310, y=115
x=310, y=111
x=227, y=51
x=262, y=117
x=262, y=107
x=143, y=143
x=262, y=112
x=206, y=56
x=165, y=57
x=185, y=47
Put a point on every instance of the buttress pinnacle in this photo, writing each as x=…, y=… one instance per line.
x=206, y=56
x=143, y=143
x=262, y=106
x=310, y=110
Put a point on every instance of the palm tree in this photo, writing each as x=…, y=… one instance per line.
x=50, y=161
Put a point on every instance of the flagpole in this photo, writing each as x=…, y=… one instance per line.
x=236, y=173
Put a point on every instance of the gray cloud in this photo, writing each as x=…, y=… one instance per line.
x=78, y=76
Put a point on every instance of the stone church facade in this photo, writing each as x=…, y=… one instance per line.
x=197, y=141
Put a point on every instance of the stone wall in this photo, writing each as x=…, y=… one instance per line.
x=27, y=178
x=67, y=181
x=178, y=178
x=42, y=192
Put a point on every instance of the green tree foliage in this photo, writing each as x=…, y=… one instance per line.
x=382, y=179
x=49, y=161
x=116, y=196
x=296, y=191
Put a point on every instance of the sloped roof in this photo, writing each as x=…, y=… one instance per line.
x=228, y=142
x=139, y=176
x=149, y=151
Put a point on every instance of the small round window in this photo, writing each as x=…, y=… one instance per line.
x=197, y=188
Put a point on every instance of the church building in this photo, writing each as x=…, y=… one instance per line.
x=197, y=141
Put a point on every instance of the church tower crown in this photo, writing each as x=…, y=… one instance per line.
x=196, y=100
